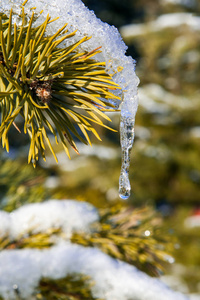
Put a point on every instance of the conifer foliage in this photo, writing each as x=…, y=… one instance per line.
x=49, y=86
x=61, y=90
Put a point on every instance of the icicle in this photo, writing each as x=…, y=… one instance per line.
x=127, y=138
x=127, y=122
x=121, y=67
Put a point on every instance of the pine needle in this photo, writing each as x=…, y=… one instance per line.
x=52, y=88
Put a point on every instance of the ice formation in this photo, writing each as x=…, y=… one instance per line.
x=83, y=20
x=126, y=138
x=22, y=269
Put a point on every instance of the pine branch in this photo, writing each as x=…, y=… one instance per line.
x=73, y=287
x=131, y=235
x=52, y=88
x=18, y=188
x=30, y=240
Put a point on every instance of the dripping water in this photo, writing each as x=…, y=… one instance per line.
x=126, y=139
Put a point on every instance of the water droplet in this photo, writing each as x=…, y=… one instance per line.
x=124, y=185
x=124, y=195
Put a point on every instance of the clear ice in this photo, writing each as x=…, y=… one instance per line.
x=126, y=139
x=80, y=18
x=128, y=110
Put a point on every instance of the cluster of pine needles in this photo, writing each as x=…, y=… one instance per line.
x=130, y=235
x=73, y=287
x=55, y=89
x=18, y=188
x=133, y=236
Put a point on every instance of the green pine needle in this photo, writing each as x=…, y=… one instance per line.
x=57, y=90
x=73, y=287
x=131, y=236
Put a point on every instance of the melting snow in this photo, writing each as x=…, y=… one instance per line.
x=83, y=20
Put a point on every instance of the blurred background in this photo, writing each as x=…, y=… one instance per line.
x=164, y=38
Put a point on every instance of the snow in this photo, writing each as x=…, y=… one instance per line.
x=4, y=223
x=113, y=279
x=85, y=22
x=177, y=19
x=113, y=48
x=187, y=3
x=155, y=99
x=52, y=182
x=162, y=22
x=23, y=268
x=69, y=215
x=102, y=152
x=80, y=161
x=192, y=222
x=195, y=132
x=142, y=132
x=194, y=297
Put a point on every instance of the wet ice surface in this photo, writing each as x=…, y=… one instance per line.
x=127, y=138
x=128, y=111
x=107, y=37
